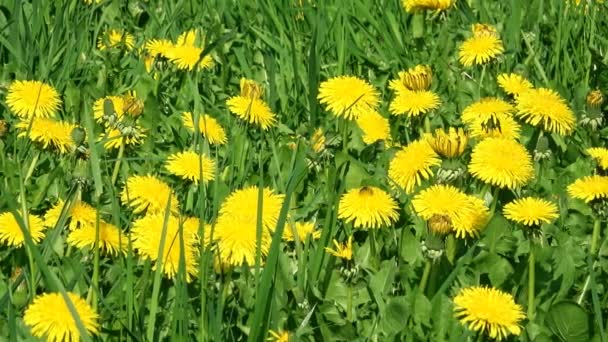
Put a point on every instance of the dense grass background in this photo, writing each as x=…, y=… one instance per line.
x=291, y=46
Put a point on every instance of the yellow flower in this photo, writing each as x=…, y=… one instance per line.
x=501, y=162
x=207, y=126
x=513, y=84
x=50, y=133
x=531, y=211
x=589, y=188
x=600, y=154
x=11, y=233
x=250, y=107
x=118, y=107
x=149, y=194
x=488, y=310
x=81, y=215
x=464, y=214
x=497, y=126
x=480, y=49
x=318, y=140
x=342, y=251
x=278, y=336
x=451, y=144
x=50, y=318
x=419, y=5
x=191, y=166
x=348, y=96
x=158, y=47
x=147, y=235
x=115, y=38
x=236, y=226
x=415, y=79
x=130, y=135
x=303, y=230
x=111, y=239
x=487, y=109
x=412, y=164
x=186, y=54
x=133, y=105
x=547, y=108
x=32, y=99
x=374, y=126
x=595, y=99
x=368, y=207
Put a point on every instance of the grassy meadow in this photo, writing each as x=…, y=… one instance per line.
x=284, y=170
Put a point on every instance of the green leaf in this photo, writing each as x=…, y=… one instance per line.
x=395, y=315
x=569, y=322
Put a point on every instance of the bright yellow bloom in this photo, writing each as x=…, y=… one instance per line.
x=11, y=233
x=595, y=99
x=368, y=207
x=33, y=99
x=489, y=311
x=414, y=103
x=133, y=105
x=111, y=239
x=419, y=5
x=133, y=135
x=374, y=126
x=186, y=53
x=547, y=108
x=244, y=202
x=278, y=336
x=158, y=47
x=191, y=166
x=486, y=109
x=600, y=154
x=81, y=215
x=115, y=38
x=118, y=108
x=589, y=188
x=415, y=79
x=464, y=214
x=451, y=144
x=501, y=162
x=318, y=140
x=303, y=230
x=412, y=164
x=50, y=318
x=513, y=84
x=480, y=50
x=50, y=133
x=250, y=107
x=207, y=126
x=497, y=126
x=531, y=211
x=149, y=194
x=348, y=96
x=342, y=251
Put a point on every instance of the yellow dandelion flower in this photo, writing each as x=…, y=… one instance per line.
x=149, y=194
x=595, y=99
x=413, y=164
x=547, y=108
x=129, y=136
x=147, y=234
x=278, y=336
x=342, y=251
x=11, y=233
x=118, y=106
x=487, y=109
x=111, y=239
x=497, y=126
x=420, y=5
x=186, y=54
x=250, y=107
x=133, y=105
x=244, y=203
x=348, y=96
x=368, y=207
x=589, y=188
x=451, y=144
x=464, y=214
x=115, y=39
x=501, y=162
x=481, y=30
x=415, y=79
x=208, y=126
x=50, y=318
x=513, y=84
x=600, y=154
x=237, y=240
x=414, y=103
x=374, y=126
x=251, y=88
x=49, y=133
x=489, y=311
x=480, y=50
x=191, y=166
x=158, y=47
x=90, y=2
x=318, y=140
x=531, y=211
x=33, y=99
x=80, y=215
x=303, y=230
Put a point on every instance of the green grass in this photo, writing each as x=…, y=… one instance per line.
x=291, y=49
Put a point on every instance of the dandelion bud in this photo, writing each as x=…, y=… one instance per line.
x=133, y=106
x=595, y=99
x=3, y=128
x=78, y=135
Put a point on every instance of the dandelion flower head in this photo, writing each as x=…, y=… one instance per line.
x=546, y=108
x=449, y=144
x=501, y=162
x=600, y=154
x=148, y=194
x=49, y=133
x=343, y=251
x=208, y=126
x=250, y=107
x=589, y=188
x=513, y=84
x=348, y=96
x=33, y=99
x=191, y=166
x=368, y=207
x=374, y=126
x=531, y=211
x=111, y=241
x=11, y=233
x=413, y=164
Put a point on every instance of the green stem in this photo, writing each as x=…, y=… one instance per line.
x=121, y=151
x=595, y=237
x=531, y=279
x=425, y=275
x=32, y=166
x=480, y=85
x=494, y=200
x=427, y=124
x=349, y=304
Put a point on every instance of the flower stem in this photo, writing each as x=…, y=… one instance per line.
x=483, y=74
x=425, y=276
x=531, y=276
x=595, y=237
x=121, y=151
x=32, y=166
